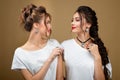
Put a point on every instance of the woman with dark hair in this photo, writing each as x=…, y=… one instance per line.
x=40, y=57
x=86, y=57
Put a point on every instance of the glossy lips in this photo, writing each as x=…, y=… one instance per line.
x=73, y=27
x=49, y=31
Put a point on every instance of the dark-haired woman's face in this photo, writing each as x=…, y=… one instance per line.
x=79, y=23
x=76, y=22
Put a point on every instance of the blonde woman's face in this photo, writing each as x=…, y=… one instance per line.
x=49, y=26
x=43, y=29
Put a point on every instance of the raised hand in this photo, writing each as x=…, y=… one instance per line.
x=93, y=48
x=56, y=52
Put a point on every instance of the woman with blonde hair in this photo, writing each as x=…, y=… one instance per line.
x=40, y=57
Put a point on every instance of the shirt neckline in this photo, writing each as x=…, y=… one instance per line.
x=33, y=51
x=79, y=45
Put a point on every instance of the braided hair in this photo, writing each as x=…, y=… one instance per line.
x=91, y=18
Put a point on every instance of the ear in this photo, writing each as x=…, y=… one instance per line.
x=88, y=25
x=35, y=25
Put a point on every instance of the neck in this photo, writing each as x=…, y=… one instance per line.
x=83, y=42
x=83, y=39
x=37, y=40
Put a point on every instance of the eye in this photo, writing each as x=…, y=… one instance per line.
x=72, y=20
x=77, y=18
x=48, y=22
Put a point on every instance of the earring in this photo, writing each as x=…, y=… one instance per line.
x=87, y=29
x=36, y=31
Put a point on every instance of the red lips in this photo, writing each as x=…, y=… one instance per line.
x=49, y=31
x=73, y=27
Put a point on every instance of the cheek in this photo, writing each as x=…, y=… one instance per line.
x=43, y=29
x=78, y=26
x=49, y=27
x=77, y=29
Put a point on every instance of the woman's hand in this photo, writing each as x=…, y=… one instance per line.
x=56, y=52
x=93, y=48
x=99, y=74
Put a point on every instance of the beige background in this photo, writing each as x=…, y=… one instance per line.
x=12, y=34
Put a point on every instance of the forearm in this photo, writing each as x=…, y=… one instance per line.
x=59, y=75
x=99, y=74
x=40, y=74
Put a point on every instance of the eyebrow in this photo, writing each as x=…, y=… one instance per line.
x=75, y=17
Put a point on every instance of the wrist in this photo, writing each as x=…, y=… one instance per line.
x=51, y=58
x=97, y=56
x=98, y=59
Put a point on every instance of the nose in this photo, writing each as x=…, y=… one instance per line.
x=72, y=23
x=49, y=26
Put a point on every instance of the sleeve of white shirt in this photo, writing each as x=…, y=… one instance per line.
x=17, y=62
x=109, y=67
x=55, y=43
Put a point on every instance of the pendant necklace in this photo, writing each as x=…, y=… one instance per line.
x=83, y=42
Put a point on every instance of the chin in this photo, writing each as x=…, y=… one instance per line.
x=73, y=31
x=49, y=34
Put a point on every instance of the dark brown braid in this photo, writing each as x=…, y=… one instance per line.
x=91, y=18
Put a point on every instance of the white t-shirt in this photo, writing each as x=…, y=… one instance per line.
x=34, y=60
x=79, y=62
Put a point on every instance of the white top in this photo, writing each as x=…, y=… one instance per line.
x=79, y=61
x=34, y=60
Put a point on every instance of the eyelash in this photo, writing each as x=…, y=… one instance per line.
x=75, y=20
x=48, y=22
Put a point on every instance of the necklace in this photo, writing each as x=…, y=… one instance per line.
x=83, y=42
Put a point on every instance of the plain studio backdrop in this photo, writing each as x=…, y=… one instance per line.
x=13, y=35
